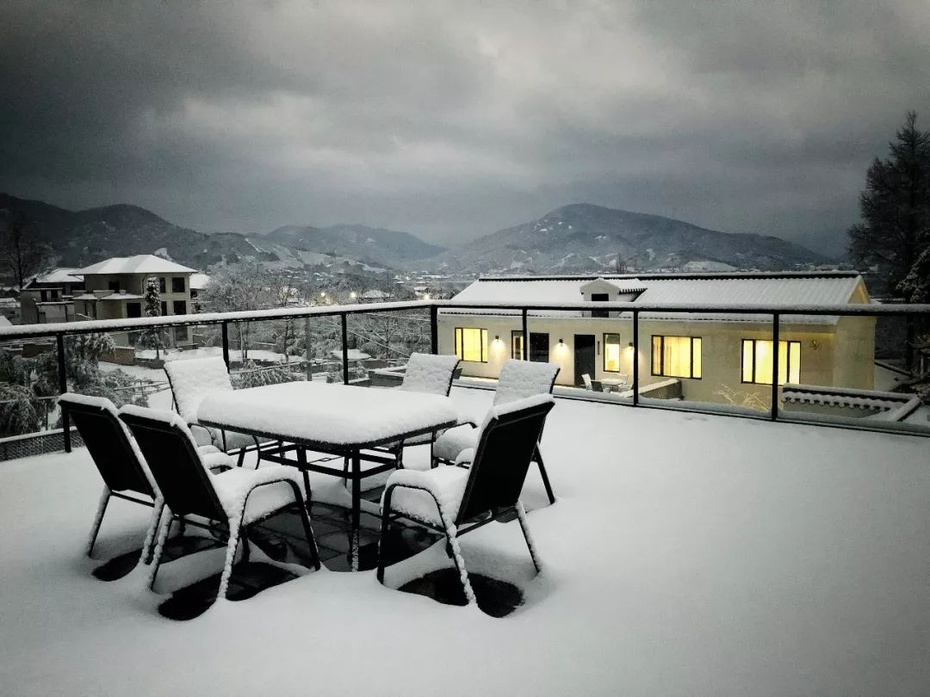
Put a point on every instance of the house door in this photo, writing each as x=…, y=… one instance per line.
x=584, y=357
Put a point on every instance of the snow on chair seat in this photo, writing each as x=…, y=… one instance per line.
x=455, y=500
x=518, y=380
x=236, y=498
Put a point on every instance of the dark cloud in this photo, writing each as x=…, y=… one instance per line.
x=451, y=120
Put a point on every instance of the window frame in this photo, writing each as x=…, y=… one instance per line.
x=137, y=306
x=782, y=351
x=516, y=334
x=662, y=369
x=174, y=307
x=548, y=347
x=459, y=339
x=162, y=285
x=178, y=285
x=604, y=343
x=600, y=298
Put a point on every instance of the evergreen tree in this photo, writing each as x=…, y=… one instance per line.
x=894, y=235
x=152, y=337
x=895, y=210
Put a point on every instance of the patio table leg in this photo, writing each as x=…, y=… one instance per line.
x=356, y=509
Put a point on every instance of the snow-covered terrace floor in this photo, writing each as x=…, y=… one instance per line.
x=688, y=554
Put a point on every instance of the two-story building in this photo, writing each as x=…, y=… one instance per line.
x=115, y=289
x=712, y=357
x=49, y=296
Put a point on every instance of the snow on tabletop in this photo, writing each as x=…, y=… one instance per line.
x=429, y=373
x=328, y=413
x=193, y=379
x=688, y=554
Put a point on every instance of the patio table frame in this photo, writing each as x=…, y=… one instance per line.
x=368, y=449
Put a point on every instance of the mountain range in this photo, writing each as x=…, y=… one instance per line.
x=572, y=239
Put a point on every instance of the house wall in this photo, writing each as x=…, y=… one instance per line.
x=135, y=283
x=830, y=354
x=855, y=353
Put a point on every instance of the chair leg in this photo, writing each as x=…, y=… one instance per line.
x=521, y=516
x=160, y=547
x=385, y=528
x=241, y=459
x=149, y=545
x=452, y=536
x=235, y=527
x=98, y=519
x=542, y=473
x=305, y=520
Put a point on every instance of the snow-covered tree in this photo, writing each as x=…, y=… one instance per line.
x=152, y=337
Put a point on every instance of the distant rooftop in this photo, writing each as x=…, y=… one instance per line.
x=60, y=275
x=747, y=288
x=141, y=263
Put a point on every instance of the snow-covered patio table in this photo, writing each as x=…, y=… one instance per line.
x=338, y=419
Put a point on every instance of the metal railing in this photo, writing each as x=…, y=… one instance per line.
x=224, y=319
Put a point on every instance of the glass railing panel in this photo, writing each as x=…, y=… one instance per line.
x=864, y=372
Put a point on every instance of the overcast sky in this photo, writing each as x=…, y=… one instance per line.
x=454, y=119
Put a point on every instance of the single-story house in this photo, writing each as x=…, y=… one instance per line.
x=715, y=357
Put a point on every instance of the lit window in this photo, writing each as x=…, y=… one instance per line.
x=516, y=345
x=676, y=356
x=612, y=353
x=471, y=344
x=758, y=359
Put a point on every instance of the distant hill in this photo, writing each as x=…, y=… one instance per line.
x=375, y=246
x=83, y=237
x=581, y=238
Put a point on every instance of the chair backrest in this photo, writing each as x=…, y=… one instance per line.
x=587, y=381
x=192, y=379
x=109, y=443
x=522, y=379
x=597, y=386
x=429, y=373
x=171, y=453
x=505, y=449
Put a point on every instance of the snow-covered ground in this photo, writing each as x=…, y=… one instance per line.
x=688, y=554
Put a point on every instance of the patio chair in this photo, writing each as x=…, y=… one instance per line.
x=456, y=500
x=193, y=379
x=518, y=380
x=121, y=465
x=431, y=374
x=236, y=498
x=588, y=383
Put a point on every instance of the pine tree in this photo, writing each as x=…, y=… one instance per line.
x=894, y=235
x=152, y=337
x=895, y=209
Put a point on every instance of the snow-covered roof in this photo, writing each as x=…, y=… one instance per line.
x=59, y=275
x=764, y=290
x=375, y=295
x=4, y=322
x=351, y=354
x=141, y=263
x=199, y=281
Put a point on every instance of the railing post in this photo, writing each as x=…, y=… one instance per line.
x=225, y=334
x=345, y=348
x=62, y=388
x=307, y=353
x=434, y=330
x=635, y=358
x=776, y=320
x=526, y=338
